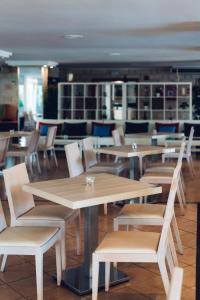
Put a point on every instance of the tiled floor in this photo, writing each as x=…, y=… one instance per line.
x=18, y=281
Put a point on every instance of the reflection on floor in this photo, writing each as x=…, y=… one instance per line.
x=18, y=282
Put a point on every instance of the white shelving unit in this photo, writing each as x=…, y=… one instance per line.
x=125, y=101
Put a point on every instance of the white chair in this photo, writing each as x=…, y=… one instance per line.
x=148, y=214
x=4, y=143
x=74, y=159
x=29, y=154
x=166, y=178
x=137, y=247
x=75, y=164
x=119, y=140
x=31, y=241
x=93, y=166
x=176, y=284
x=24, y=212
x=49, y=145
x=187, y=154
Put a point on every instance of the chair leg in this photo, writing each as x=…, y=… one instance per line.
x=55, y=158
x=39, y=274
x=115, y=224
x=47, y=158
x=107, y=276
x=172, y=249
x=58, y=262
x=38, y=163
x=95, y=276
x=182, y=191
x=163, y=158
x=78, y=234
x=170, y=260
x=3, y=263
x=182, y=180
x=180, y=200
x=141, y=165
x=190, y=166
x=105, y=207
x=177, y=235
x=164, y=275
x=63, y=250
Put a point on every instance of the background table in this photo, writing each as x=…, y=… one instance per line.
x=128, y=152
x=73, y=193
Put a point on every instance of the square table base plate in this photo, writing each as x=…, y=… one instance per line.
x=78, y=281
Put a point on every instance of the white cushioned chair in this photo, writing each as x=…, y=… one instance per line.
x=24, y=212
x=31, y=241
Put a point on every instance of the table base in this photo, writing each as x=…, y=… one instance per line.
x=78, y=281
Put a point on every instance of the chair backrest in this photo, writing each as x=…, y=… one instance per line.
x=4, y=143
x=34, y=141
x=74, y=159
x=51, y=134
x=169, y=210
x=116, y=137
x=121, y=133
x=176, y=284
x=89, y=154
x=3, y=224
x=19, y=201
x=189, y=143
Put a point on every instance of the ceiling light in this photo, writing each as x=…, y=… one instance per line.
x=5, y=54
x=115, y=54
x=31, y=63
x=45, y=66
x=73, y=36
x=51, y=67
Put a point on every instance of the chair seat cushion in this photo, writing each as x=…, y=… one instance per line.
x=166, y=167
x=26, y=236
x=108, y=167
x=139, y=242
x=157, y=177
x=142, y=211
x=48, y=212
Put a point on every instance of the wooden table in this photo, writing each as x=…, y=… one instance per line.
x=15, y=133
x=73, y=193
x=156, y=136
x=128, y=152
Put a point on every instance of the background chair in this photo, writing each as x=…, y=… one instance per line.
x=187, y=154
x=31, y=241
x=148, y=214
x=24, y=212
x=137, y=246
x=4, y=143
x=75, y=164
x=29, y=154
x=49, y=145
x=93, y=166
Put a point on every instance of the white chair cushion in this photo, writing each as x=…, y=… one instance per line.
x=142, y=211
x=48, y=212
x=26, y=236
x=107, y=167
x=157, y=177
x=159, y=166
x=129, y=242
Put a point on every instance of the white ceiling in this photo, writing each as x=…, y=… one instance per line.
x=140, y=30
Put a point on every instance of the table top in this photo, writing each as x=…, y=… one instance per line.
x=127, y=151
x=15, y=133
x=155, y=136
x=74, y=193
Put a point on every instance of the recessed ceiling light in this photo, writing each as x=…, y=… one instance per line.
x=51, y=67
x=73, y=36
x=115, y=54
x=45, y=66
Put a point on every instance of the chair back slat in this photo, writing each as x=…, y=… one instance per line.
x=51, y=134
x=3, y=224
x=121, y=133
x=74, y=159
x=19, y=201
x=34, y=141
x=169, y=210
x=89, y=154
x=116, y=137
x=4, y=143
